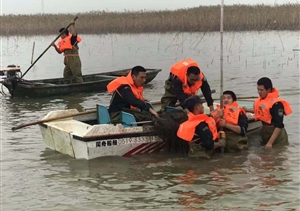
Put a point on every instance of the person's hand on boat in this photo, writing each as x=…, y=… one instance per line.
x=222, y=123
x=154, y=112
x=268, y=145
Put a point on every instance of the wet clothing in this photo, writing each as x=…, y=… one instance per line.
x=206, y=135
x=237, y=142
x=203, y=147
x=271, y=111
x=234, y=115
x=201, y=133
x=72, y=71
x=266, y=133
x=277, y=121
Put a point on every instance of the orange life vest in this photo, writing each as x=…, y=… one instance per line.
x=115, y=84
x=231, y=113
x=186, y=130
x=180, y=70
x=262, y=106
x=65, y=44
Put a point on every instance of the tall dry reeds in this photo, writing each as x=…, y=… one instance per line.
x=236, y=18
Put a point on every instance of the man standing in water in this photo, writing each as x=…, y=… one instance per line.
x=200, y=130
x=234, y=122
x=270, y=109
x=68, y=45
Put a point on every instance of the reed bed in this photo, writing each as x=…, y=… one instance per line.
x=199, y=19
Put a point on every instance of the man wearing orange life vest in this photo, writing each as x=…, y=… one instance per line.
x=68, y=45
x=128, y=94
x=270, y=109
x=184, y=81
x=234, y=122
x=199, y=130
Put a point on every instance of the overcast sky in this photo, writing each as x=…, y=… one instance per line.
x=75, y=6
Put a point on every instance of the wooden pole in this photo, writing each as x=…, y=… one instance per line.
x=221, y=64
x=32, y=52
x=221, y=53
x=48, y=48
x=52, y=119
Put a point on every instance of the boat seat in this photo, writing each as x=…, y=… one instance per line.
x=102, y=114
x=170, y=108
x=103, y=117
x=127, y=119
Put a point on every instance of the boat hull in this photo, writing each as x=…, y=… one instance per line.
x=83, y=141
x=56, y=86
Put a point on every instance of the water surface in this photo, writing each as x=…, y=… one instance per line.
x=36, y=178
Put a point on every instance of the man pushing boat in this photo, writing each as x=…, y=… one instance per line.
x=68, y=45
x=234, y=121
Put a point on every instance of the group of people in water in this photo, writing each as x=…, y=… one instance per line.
x=223, y=128
x=200, y=130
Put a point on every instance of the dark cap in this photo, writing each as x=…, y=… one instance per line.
x=66, y=31
x=228, y=92
x=190, y=102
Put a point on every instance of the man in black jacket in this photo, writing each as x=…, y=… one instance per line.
x=185, y=80
x=128, y=95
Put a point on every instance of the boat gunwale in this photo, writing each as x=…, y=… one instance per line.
x=105, y=74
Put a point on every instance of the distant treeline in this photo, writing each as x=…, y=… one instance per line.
x=199, y=19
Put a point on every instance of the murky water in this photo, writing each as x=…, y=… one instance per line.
x=36, y=178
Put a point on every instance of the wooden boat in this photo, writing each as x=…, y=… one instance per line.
x=90, y=136
x=56, y=86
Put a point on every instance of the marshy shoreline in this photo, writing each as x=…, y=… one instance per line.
x=198, y=19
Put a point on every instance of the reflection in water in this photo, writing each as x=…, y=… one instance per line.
x=227, y=177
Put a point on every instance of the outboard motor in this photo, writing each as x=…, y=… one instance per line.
x=13, y=74
x=12, y=71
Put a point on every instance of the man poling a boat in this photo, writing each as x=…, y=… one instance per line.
x=128, y=96
x=234, y=122
x=184, y=81
x=200, y=130
x=68, y=45
x=270, y=109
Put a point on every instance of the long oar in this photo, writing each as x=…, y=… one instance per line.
x=52, y=119
x=48, y=47
x=68, y=116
